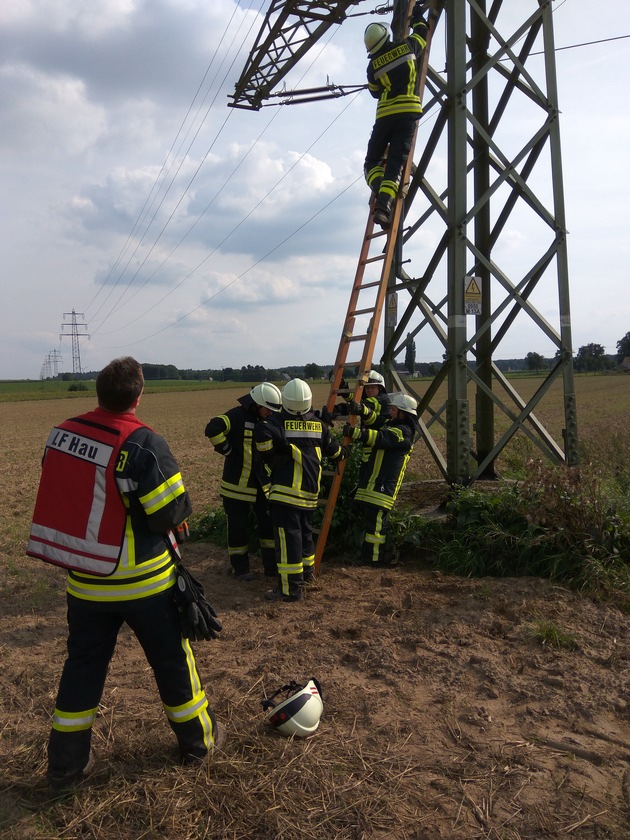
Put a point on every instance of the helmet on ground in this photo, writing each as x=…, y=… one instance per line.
x=300, y=711
x=267, y=395
x=297, y=397
x=375, y=378
x=405, y=403
x=375, y=36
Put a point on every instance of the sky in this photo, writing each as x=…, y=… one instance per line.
x=182, y=231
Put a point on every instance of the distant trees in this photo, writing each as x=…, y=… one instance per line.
x=590, y=357
x=313, y=371
x=410, y=354
x=623, y=347
x=534, y=361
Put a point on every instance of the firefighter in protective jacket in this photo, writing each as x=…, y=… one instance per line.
x=392, y=76
x=385, y=457
x=292, y=443
x=245, y=481
x=110, y=495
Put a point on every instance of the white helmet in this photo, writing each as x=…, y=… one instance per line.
x=297, y=397
x=375, y=378
x=404, y=403
x=299, y=713
x=267, y=395
x=375, y=36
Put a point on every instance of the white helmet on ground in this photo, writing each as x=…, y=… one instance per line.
x=267, y=395
x=297, y=397
x=405, y=403
x=375, y=36
x=299, y=713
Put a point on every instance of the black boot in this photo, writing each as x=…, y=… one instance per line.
x=383, y=210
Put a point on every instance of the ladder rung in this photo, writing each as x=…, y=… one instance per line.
x=377, y=258
x=358, y=337
x=364, y=311
x=369, y=285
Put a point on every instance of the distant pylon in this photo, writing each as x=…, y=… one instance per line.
x=76, y=334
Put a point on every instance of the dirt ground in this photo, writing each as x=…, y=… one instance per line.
x=444, y=715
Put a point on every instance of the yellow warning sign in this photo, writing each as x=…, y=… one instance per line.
x=472, y=289
x=472, y=296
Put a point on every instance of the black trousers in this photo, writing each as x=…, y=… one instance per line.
x=237, y=513
x=295, y=549
x=92, y=634
x=375, y=524
x=392, y=135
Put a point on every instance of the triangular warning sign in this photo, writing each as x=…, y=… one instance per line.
x=472, y=288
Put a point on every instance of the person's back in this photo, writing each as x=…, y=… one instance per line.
x=392, y=75
x=292, y=444
x=110, y=496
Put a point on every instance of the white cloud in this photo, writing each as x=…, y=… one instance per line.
x=115, y=119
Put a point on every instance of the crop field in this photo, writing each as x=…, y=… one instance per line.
x=454, y=708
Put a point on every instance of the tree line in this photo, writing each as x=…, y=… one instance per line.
x=589, y=358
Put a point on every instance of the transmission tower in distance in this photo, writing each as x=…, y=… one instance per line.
x=77, y=330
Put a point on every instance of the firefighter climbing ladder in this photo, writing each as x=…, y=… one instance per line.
x=363, y=317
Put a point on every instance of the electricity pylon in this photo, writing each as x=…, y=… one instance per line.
x=482, y=245
x=76, y=334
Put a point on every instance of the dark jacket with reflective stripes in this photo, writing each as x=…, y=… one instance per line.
x=231, y=434
x=292, y=447
x=393, y=71
x=385, y=456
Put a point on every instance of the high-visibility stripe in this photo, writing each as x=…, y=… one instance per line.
x=163, y=495
x=73, y=721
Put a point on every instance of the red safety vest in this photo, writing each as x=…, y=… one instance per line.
x=79, y=519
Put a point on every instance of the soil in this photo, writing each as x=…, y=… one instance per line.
x=486, y=732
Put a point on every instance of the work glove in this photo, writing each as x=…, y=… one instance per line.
x=223, y=448
x=326, y=416
x=417, y=13
x=355, y=407
x=198, y=619
x=345, y=453
x=352, y=432
x=182, y=532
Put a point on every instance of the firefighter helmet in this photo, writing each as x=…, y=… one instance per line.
x=405, y=403
x=299, y=712
x=375, y=36
x=375, y=378
x=297, y=397
x=267, y=395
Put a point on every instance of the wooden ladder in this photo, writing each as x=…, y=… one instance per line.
x=363, y=317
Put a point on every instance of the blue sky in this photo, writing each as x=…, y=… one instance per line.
x=190, y=233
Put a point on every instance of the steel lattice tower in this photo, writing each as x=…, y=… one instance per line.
x=477, y=183
x=76, y=334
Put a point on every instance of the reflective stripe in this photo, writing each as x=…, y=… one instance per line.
x=126, y=590
x=73, y=721
x=187, y=711
x=98, y=505
x=163, y=495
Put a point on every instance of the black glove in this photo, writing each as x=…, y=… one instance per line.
x=352, y=432
x=343, y=385
x=182, y=532
x=223, y=448
x=417, y=13
x=326, y=417
x=197, y=617
x=345, y=453
x=355, y=407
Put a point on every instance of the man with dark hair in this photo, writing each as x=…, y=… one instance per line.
x=110, y=496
